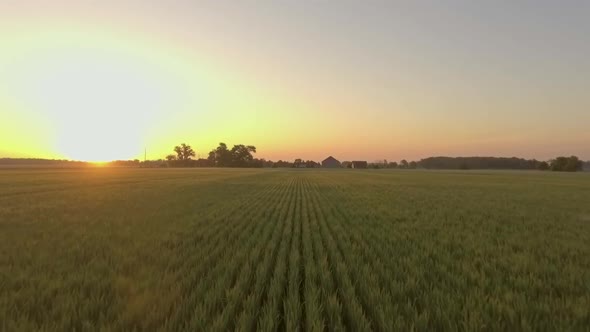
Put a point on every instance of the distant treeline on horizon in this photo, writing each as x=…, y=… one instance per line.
x=558, y=164
x=444, y=163
x=42, y=162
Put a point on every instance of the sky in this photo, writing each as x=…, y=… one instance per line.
x=368, y=80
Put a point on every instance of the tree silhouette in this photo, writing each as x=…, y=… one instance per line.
x=403, y=164
x=479, y=163
x=565, y=164
x=184, y=152
x=543, y=166
x=239, y=156
x=242, y=155
x=221, y=156
x=211, y=157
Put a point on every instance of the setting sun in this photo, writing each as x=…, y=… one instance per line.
x=102, y=107
x=101, y=100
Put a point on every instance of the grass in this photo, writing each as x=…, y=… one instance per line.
x=314, y=250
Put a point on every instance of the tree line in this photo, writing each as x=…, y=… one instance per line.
x=242, y=156
x=20, y=162
x=239, y=155
x=560, y=164
x=566, y=164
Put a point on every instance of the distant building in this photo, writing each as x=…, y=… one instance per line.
x=359, y=164
x=331, y=162
x=346, y=164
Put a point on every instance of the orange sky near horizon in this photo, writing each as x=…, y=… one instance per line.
x=100, y=81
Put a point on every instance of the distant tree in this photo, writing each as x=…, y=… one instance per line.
x=211, y=157
x=242, y=155
x=265, y=163
x=298, y=163
x=478, y=163
x=312, y=164
x=281, y=164
x=392, y=164
x=184, y=152
x=403, y=164
x=202, y=162
x=171, y=160
x=565, y=164
x=543, y=166
x=558, y=164
x=573, y=164
x=257, y=163
x=178, y=151
x=413, y=165
x=222, y=156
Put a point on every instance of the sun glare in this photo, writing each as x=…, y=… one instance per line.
x=102, y=105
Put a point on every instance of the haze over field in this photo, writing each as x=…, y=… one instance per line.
x=298, y=79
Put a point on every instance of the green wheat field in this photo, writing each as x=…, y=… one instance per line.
x=308, y=250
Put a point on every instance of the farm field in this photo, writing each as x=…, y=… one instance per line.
x=308, y=250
